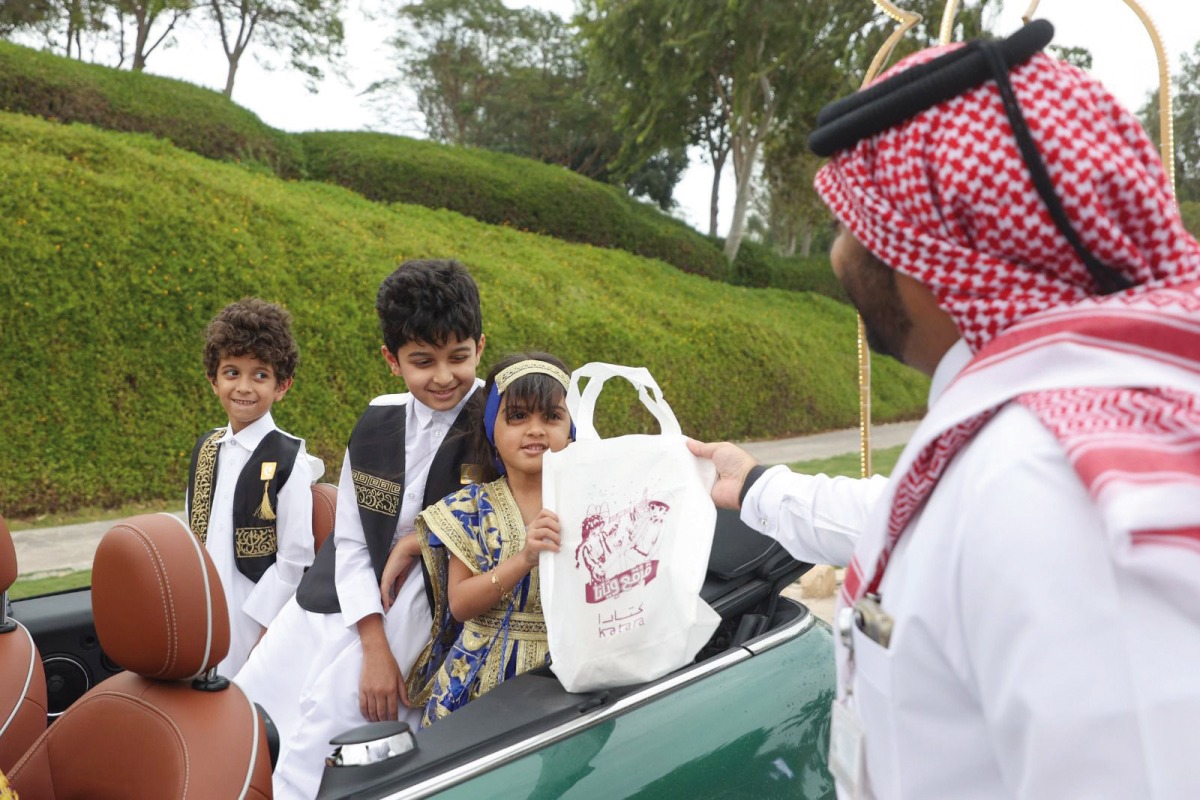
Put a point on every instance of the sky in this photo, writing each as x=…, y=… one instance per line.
x=1123, y=60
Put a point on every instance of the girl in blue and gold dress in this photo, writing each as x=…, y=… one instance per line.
x=480, y=546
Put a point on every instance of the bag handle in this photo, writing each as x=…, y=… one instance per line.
x=583, y=406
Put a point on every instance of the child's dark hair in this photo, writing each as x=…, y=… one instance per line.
x=428, y=301
x=252, y=327
x=533, y=392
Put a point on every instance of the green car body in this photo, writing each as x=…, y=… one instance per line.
x=756, y=727
x=751, y=721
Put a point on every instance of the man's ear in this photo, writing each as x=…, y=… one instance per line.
x=213, y=383
x=479, y=347
x=281, y=388
x=390, y=358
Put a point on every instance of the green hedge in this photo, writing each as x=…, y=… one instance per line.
x=493, y=187
x=119, y=248
x=192, y=117
x=758, y=266
x=507, y=190
x=1190, y=209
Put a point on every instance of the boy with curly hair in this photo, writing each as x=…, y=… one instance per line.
x=248, y=498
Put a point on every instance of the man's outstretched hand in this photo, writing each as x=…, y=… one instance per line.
x=732, y=463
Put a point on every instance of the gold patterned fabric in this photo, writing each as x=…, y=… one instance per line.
x=377, y=494
x=6, y=791
x=202, y=484
x=511, y=373
x=481, y=526
x=253, y=542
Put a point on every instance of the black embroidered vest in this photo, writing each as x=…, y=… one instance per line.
x=255, y=495
x=377, y=461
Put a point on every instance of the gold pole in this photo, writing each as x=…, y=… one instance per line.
x=948, y=16
x=1166, y=120
x=906, y=20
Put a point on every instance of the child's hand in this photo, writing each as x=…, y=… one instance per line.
x=543, y=535
x=399, y=562
x=381, y=686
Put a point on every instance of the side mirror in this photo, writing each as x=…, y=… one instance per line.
x=364, y=756
x=371, y=744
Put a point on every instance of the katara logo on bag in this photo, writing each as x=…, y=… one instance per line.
x=617, y=549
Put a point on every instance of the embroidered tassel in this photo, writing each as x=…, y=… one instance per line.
x=264, y=510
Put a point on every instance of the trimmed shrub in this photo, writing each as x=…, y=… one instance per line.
x=758, y=266
x=119, y=248
x=194, y=118
x=507, y=190
x=1190, y=210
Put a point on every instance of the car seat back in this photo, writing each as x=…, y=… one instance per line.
x=169, y=726
x=22, y=679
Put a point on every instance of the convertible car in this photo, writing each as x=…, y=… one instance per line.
x=748, y=718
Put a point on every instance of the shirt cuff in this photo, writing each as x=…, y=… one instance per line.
x=358, y=602
x=761, y=504
x=268, y=596
x=753, y=475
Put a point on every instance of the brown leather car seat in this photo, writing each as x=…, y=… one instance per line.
x=324, y=498
x=168, y=727
x=22, y=681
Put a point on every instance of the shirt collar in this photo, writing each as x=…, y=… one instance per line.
x=952, y=363
x=250, y=436
x=426, y=416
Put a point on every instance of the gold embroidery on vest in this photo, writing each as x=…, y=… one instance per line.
x=254, y=542
x=377, y=494
x=202, y=485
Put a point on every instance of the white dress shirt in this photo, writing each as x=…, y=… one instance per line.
x=425, y=429
x=1031, y=656
x=252, y=605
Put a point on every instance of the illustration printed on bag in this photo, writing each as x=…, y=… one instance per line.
x=618, y=548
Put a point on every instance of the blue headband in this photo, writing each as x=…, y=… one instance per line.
x=506, y=377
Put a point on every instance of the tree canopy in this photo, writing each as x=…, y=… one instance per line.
x=1185, y=112
x=310, y=32
x=514, y=80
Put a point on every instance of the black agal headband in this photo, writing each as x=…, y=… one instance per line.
x=843, y=123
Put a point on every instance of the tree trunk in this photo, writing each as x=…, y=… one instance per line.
x=233, y=65
x=744, y=155
x=713, y=202
x=139, y=43
x=744, y=144
x=737, y=228
x=806, y=242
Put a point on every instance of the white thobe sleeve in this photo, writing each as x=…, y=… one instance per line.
x=294, y=534
x=357, y=587
x=817, y=518
x=1083, y=649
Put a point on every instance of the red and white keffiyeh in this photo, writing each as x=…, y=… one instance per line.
x=946, y=199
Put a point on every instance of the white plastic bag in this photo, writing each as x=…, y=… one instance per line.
x=622, y=595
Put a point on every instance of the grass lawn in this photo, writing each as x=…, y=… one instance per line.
x=882, y=462
x=92, y=514
x=25, y=587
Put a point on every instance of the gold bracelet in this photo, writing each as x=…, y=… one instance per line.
x=505, y=595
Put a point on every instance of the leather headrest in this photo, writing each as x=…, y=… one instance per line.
x=157, y=601
x=324, y=497
x=8, y=558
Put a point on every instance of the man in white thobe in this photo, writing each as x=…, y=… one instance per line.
x=1021, y=615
